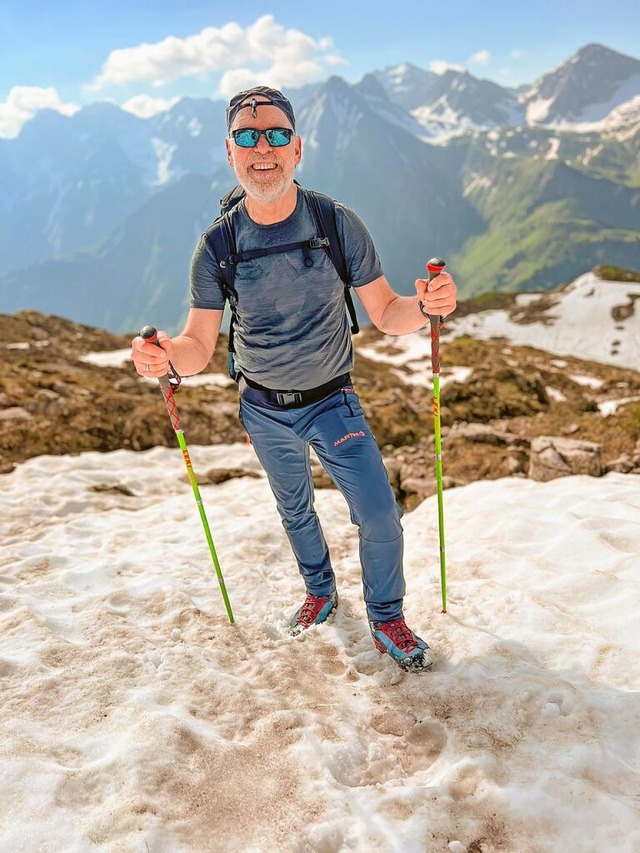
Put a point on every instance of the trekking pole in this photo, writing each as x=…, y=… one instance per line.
x=434, y=268
x=169, y=384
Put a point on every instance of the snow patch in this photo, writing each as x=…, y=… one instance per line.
x=554, y=147
x=538, y=110
x=568, y=326
x=610, y=407
x=110, y=358
x=194, y=127
x=134, y=716
x=164, y=152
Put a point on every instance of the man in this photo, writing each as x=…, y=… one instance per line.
x=293, y=355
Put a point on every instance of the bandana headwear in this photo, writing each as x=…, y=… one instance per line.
x=261, y=95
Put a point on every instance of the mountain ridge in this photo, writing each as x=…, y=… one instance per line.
x=444, y=177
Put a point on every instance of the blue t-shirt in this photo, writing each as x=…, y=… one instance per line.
x=292, y=330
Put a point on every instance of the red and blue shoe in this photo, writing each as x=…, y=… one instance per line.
x=397, y=640
x=314, y=611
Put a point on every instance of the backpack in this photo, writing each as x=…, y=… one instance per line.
x=221, y=239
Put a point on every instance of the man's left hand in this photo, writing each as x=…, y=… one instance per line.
x=439, y=296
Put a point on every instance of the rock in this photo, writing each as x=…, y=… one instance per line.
x=424, y=487
x=6, y=465
x=44, y=400
x=394, y=467
x=215, y=476
x=485, y=434
x=624, y=464
x=15, y=413
x=421, y=487
x=127, y=383
x=571, y=429
x=553, y=456
x=321, y=480
x=514, y=464
x=103, y=488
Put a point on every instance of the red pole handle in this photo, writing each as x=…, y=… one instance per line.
x=173, y=379
x=434, y=268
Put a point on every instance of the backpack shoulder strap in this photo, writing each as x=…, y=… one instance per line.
x=220, y=236
x=324, y=212
x=229, y=201
x=221, y=239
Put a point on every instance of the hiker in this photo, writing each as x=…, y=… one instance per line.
x=292, y=357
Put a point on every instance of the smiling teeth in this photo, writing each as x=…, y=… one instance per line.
x=264, y=166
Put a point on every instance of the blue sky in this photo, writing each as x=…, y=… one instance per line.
x=68, y=53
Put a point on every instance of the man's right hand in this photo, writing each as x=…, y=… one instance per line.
x=151, y=360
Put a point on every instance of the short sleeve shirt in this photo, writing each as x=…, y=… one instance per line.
x=291, y=331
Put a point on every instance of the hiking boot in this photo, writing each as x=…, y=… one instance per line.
x=314, y=611
x=394, y=638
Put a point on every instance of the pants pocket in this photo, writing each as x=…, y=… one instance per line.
x=352, y=403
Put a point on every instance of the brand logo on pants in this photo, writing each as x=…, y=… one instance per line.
x=359, y=434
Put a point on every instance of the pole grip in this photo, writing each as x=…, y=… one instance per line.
x=172, y=377
x=434, y=268
x=150, y=334
x=169, y=383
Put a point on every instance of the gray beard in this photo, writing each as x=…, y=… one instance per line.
x=265, y=191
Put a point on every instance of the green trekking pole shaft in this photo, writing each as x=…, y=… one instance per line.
x=434, y=268
x=149, y=333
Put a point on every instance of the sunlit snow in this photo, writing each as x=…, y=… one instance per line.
x=135, y=717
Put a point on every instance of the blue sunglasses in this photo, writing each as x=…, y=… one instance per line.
x=248, y=137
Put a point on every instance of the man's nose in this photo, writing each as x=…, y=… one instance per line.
x=263, y=144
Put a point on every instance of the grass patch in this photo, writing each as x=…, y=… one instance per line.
x=629, y=420
x=613, y=273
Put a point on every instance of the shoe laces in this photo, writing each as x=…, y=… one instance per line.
x=399, y=634
x=310, y=609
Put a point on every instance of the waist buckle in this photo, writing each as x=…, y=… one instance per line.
x=289, y=398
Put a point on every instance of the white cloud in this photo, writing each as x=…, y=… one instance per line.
x=23, y=102
x=264, y=51
x=440, y=66
x=482, y=57
x=516, y=54
x=144, y=106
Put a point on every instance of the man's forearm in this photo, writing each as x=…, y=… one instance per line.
x=187, y=355
x=401, y=316
x=191, y=350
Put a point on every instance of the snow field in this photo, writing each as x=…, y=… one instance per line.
x=134, y=714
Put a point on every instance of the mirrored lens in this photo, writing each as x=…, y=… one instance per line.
x=248, y=137
x=278, y=136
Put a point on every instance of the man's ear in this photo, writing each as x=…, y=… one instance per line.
x=297, y=149
x=227, y=143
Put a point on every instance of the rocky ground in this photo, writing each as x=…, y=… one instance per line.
x=51, y=402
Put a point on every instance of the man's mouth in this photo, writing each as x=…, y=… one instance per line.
x=263, y=167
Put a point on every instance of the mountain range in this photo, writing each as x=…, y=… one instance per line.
x=519, y=189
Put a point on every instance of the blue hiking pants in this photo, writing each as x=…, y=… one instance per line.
x=337, y=430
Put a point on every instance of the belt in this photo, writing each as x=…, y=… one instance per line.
x=293, y=399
